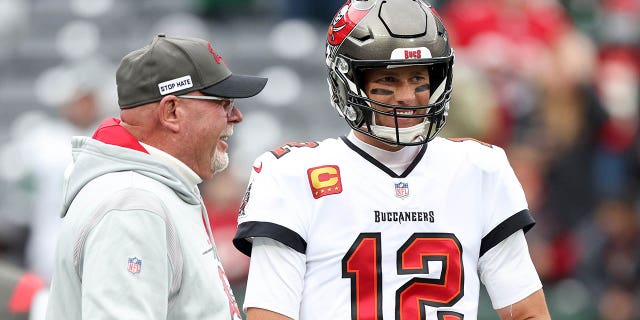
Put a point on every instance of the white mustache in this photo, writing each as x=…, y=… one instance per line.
x=228, y=131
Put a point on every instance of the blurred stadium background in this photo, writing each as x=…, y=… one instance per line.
x=555, y=83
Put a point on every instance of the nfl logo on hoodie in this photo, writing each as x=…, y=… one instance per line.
x=135, y=265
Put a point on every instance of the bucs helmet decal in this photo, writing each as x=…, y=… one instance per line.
x=343, y=23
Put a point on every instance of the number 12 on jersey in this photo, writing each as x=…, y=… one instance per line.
x=362, y=264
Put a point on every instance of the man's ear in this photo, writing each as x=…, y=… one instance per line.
x=168, y=113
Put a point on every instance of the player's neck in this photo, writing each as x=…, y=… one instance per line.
x=397, y=160
x=375, y=142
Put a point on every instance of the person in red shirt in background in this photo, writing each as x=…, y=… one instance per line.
x=18, y=290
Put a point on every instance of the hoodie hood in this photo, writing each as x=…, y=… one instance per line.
x=113, y=149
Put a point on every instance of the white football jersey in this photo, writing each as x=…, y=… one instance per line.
x=381, y=245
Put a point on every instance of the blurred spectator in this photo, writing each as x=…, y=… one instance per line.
x=47, y=150
x=17, y=292
x=618, y=84
x=611, y=258
x=475, y=106
x=509, y=42
x=567, y=120
x=618, y=304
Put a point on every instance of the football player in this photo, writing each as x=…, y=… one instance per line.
x=390, y=221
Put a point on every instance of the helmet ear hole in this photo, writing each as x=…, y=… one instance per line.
x=356, y=115
x=350, y=113
x=333, y=91
x=339, y=99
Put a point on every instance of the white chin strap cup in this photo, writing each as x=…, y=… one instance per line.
x=406, y=135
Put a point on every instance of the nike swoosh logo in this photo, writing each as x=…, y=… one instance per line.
x=258, y=169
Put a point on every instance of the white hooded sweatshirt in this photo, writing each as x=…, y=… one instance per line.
x=135, y=241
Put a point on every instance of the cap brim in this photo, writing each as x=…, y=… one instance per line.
x=236, y=86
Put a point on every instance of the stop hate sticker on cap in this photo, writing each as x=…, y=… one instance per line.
x=175, y=85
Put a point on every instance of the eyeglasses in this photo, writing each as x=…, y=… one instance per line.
x=228, y=106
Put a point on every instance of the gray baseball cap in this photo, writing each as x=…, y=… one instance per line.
x=177, y=66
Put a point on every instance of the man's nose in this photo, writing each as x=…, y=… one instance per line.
x=235, y=116
x=405, y=95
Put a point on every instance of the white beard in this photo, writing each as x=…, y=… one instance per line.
x=219, y=162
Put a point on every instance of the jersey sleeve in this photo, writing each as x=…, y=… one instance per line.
x=124, y=267
x=508, y=272
x=506, y=206
x=276, y=278
x=273, y=207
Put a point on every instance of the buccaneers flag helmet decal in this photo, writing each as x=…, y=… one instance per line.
x=344, y=21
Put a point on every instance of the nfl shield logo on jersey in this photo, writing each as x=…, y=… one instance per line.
x=135, y=265
x=402, y=189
